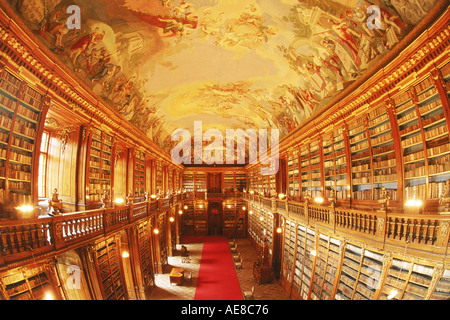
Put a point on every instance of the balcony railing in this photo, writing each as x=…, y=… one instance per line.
x=24, y=239
x=390, y=228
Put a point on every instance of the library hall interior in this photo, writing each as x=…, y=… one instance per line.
x=224, y=150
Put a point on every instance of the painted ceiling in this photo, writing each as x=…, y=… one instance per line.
x=164, y=64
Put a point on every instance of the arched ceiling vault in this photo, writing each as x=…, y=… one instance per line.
x=248, y=64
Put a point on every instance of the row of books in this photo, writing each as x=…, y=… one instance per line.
x=413, y=170
x=5, y=120
x=10, y=86
x=20, y=172
x=20, y=186
x=21, y=143
x=7, y=102
x=411, y=141
x=436, y=132
x=20, y=156
x=24, y=127
x=27, y=113
x=379, y=129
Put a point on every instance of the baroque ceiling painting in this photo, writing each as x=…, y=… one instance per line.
x=231, y=64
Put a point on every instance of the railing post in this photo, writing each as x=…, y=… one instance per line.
x=57, y=231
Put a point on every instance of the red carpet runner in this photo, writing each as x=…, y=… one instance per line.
x=217, y=279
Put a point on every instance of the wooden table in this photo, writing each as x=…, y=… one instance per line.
x=177, y=276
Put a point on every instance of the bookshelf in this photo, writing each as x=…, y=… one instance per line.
x=200, y=182
x=369, y=276
x=109, y=269
x=241, y=181
x=396, y=279
x=139, y=174
x=299, y=260
x=188, y=181
x=145, y=253
x=305, y=170
x=349, y=273
x=163, y=245
x=327, y=262
x=188, y=218
x=200, y=226
x=287, y=267
x=99, y=167
x=159, y=176
x=436, y=136
x=21, y=112
x=293, y=176
x=26, y=284
x=229, y=215
x=228, y=181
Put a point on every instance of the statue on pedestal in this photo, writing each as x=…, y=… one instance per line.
x=55, y=204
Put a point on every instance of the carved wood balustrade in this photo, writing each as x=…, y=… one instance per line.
x=24, y=239
x=421, y=231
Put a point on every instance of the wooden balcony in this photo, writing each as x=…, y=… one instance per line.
x=28, y=239
x=425, y=234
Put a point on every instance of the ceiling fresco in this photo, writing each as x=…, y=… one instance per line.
x=164, y=64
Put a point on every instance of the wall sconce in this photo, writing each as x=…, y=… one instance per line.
x=171, y=219
x=318, y=200
x=125, y=254
x=180, y=212
x=26, y=208
x=279, y=230
x=228, y=206
x=153, y=196
x=252, y=192
x=261, y=218
x=185, y=207
x=281, y=196
x=119, y=201
x=244, y=208
x=200, y=206
x=413, y=206
x=155, y=231
x=250, y=212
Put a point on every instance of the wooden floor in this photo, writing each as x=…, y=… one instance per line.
x=166, y=291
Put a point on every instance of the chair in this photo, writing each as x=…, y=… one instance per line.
x=237, y=257
x=232, y=243
x=234, y=249
x=238, y=264
x=249, y=295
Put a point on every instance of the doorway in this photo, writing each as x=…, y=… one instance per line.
x=214, y=182
x=215, y=221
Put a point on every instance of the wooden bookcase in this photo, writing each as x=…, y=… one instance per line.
x=293, y=176
x=163, y=245
x=98, y=168
x=110, y=269
x=27, y=284
x=22, y=113
x=145, y=256
x=139, y=175
x=200, y=224
x=200, y=182
x=188, y=181
x=228, y=181
x=240, y=181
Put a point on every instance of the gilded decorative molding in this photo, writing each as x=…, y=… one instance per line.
x=437, y=274
x=64, y=136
